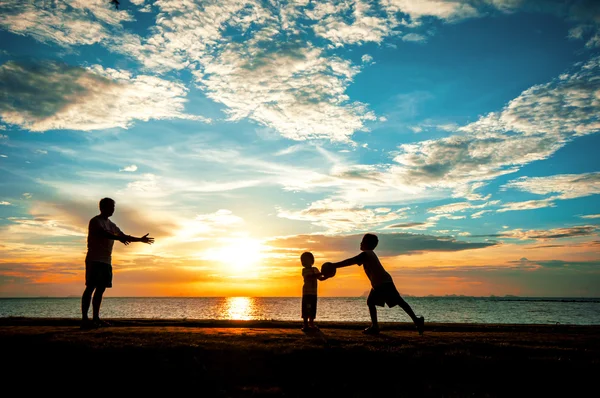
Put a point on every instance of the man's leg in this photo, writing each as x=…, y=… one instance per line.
x=96, y=302
x=86, y=300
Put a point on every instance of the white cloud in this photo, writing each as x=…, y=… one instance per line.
x=591, y=216
x=459, y=207
x=340, y=216
x=71, y=22
x=367, y=59
x=51, y=96
x=5, y=203
x=3, y=156
x=531, y=127
x=556, y=233
x=414, y=37
x=130, y=168
x=527, y=205
x=42, y=226
x=479, y=213
x=444, y=9
x=567, y=186
x=41, y=151
x=350, y=23
x=27, y=195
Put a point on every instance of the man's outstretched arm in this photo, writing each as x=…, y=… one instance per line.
x=143, y=239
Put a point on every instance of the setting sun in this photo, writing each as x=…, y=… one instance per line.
x=238, y=256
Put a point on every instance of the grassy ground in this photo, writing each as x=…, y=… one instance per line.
x=265, y=358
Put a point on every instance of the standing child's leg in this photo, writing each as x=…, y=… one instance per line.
x=374, y=328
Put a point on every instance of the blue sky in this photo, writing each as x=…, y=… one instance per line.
x=240, y=134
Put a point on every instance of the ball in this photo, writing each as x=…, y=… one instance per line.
x=328, y=269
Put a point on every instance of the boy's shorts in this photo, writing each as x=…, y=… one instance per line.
x=309, y=306
x=385, y=293
x=98, y=274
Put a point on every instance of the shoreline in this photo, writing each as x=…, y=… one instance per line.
x=284, y=324
x=222, y=358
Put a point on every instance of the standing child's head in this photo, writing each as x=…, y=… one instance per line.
x=307, y=259
x=369, y=242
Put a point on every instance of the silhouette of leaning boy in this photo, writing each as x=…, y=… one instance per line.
x=383, y=290
x=102, y=234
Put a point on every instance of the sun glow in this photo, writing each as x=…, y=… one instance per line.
x=239, y=255
x=239, y=308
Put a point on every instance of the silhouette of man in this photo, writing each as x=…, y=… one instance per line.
x=102, y=234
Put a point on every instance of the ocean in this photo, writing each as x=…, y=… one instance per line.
x=501, y=310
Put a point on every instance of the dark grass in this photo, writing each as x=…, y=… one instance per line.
x=269, y=358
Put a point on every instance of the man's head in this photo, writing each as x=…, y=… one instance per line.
x=369, y=242
x=307, y=259
x=107, y=207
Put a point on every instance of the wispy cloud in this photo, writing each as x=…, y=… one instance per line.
x=531, y=127
x=567, y=186
x=5, y=203
x=130, y=168
x=339, y=216
x=66, y=23
x=392, y=244
x=51, y=95
x=591, y=216
x=527, y=205
x=555, y=233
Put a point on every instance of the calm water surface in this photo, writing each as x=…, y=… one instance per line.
x=579, y=311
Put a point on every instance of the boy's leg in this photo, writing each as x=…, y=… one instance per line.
x=373, y=313
x=418, y=321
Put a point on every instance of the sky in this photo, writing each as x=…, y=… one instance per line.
x=240, y=134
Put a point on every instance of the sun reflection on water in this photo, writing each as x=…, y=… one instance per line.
x=239, y=308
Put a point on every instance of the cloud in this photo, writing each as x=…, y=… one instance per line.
x=274, y=77
x=447, y=10
x=130, y=168
x=340, y=216
x=567, y=186
x=5, y=203
x=414, y=37
x=367, y=59
x=556, y=233
x=591, y=216
x=393, y=244
x=66, y=23
x=350, y=23
x=479, y=213
x=406, y=225
x=459, y=207
x=51, y=95
x=531, y=127
x=527, y=205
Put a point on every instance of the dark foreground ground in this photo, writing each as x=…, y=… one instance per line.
x=276, y=359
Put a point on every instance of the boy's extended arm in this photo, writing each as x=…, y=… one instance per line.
x=356, y=260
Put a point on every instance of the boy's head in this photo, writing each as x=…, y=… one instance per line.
x=307, y=259
x=369, y=242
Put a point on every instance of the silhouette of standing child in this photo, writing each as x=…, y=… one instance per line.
x=310, y=275
x=383, y=290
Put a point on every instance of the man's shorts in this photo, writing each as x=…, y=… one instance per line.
x=385, y=293
x=98, y=274
x=309, y=306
